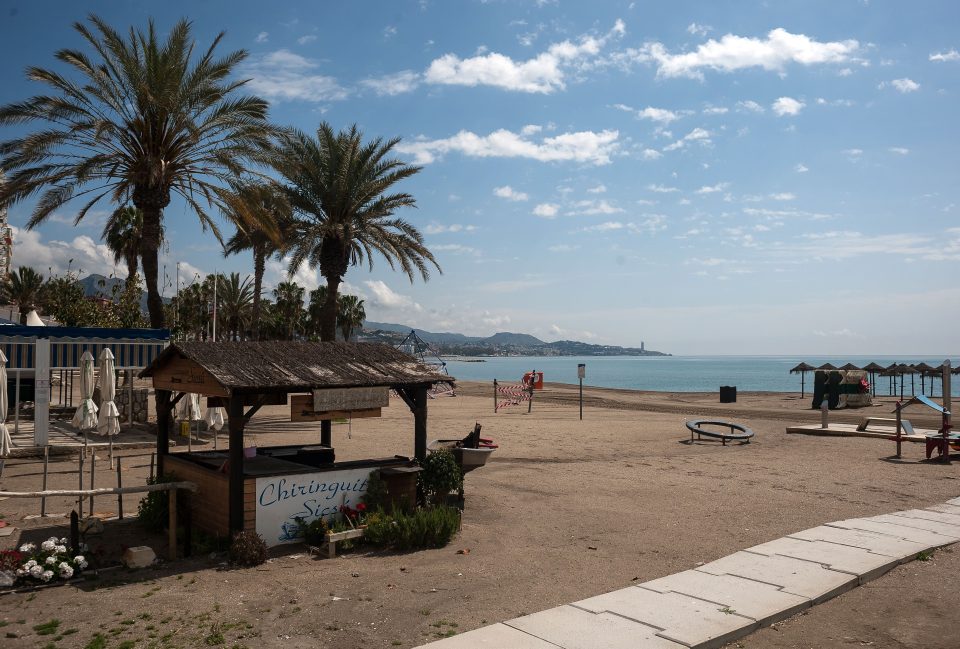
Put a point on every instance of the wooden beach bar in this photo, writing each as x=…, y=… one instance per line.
x=266, y=488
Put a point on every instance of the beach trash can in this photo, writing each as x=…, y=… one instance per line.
x=728, y=394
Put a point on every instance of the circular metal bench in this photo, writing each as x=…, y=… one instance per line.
x=737, y=432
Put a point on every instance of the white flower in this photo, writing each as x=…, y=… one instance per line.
x=65, y=570
x=80, y=561
x=64, y=541
x=50, y=561
x=36, y=571
x=30, y=564
x=47, y=575
x=28, y=548
x=60, y=549
x=48, y=545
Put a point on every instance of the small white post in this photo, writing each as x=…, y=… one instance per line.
x=824, y=412
x=41, y=417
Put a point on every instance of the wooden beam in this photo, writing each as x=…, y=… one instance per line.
x=235, y=493
x=183, y=375
x=163, y=427
x=420, y=422
x=405, y=395
x=301, y=409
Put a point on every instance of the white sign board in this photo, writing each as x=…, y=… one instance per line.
x=351, y=398
x=283, y=499
x=581, y=370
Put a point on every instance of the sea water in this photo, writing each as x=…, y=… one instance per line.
x=685, y=373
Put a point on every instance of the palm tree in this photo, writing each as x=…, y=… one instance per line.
x=23, y=289
x=263, y=221
x=289, y=307
x=123, y=233
x=350, y=314
x=337, y=185
x=142, y=120
x=235, y=300
x=318, y=298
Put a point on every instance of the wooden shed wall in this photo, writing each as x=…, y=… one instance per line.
x=210, y=505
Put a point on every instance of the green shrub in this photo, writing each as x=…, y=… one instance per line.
x=153, y=512
x=314, y=532
x=440, y=476
x=429, y=527
x=376, y=495
x=247, y=549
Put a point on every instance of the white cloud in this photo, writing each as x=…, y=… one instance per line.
x=599, y=189
x=652, y=224
x=531, y=129
x=592, y=208
x=712, y=189
x=393, y=84
x=749, y=106
x=283, y=75
x=787, y=106
x=81, y=254
x=903, y=86
x=441, y=228
x=262, y=37
x=699, y=30
x=662, y=189
x=732, y=53
x=309, y=38
x=783, y=196
x=544, y=73
x=584, y=146
x=546, y=210
x=696, y=135
x=899, y=150
x=943, y=57
x=801, y=168
x=510, y=193
x=659, y=115
x=716, y=110
x=385, y=297
x=840, y=244
x=650, y=154
x=563, y=247
x=455, y=248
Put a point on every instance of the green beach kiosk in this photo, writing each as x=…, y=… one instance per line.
x=263, y=489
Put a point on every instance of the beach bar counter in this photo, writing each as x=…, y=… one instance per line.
x=267, y=488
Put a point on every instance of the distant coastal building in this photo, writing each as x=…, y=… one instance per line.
x=6, y=240
x=641, y=346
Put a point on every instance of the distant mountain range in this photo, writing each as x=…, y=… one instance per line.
x=499, y=344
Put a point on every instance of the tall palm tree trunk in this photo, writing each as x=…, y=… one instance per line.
x=328, y=312
x=151, y=202
x=259, y=265
x=131, y=266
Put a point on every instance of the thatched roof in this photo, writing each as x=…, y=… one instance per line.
x=874, y=367
x=922, y=367
x=287, y=366
x=850, y=366
x=827, y=366
x=802, y=367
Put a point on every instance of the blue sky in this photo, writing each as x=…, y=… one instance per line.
x=707, y=177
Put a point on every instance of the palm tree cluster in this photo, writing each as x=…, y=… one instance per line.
x=283, y=318
x=142, y=119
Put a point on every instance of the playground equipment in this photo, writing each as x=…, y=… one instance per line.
x=941, y=441
x=419, y=349
x=737, y=432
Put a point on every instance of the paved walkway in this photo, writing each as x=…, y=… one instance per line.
x=733, y=596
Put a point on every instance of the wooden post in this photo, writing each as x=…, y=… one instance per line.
x=326, y=433
x=93, y=477
x=153, y=456
x=163, y=428
x=119, y=486
x=494, y=396
x=530, y=400
x=46, y=467
x=172, y=537
x=80, y=499
x=420, y=422
x=235, y=489
x=74, y=532
x=899, y=428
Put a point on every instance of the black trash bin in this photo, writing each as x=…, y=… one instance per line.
x=728, y=394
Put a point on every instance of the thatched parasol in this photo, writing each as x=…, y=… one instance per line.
x=924, y=370
x=802, y=370
x=907, y=369
x=850, y=366
x=827, y=366
x=873, y=368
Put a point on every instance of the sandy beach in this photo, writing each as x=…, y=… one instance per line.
x=566, y=509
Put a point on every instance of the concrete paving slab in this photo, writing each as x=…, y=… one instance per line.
x=954, y=501
x=795, y=576
x=929, y=538
x=764, y=603
x=926, y=514
x=496, y=636
x=574, y=628
x=890, y=546
x=864, y=564
x=687, y=620
x=946, y=508
x=919, y=523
